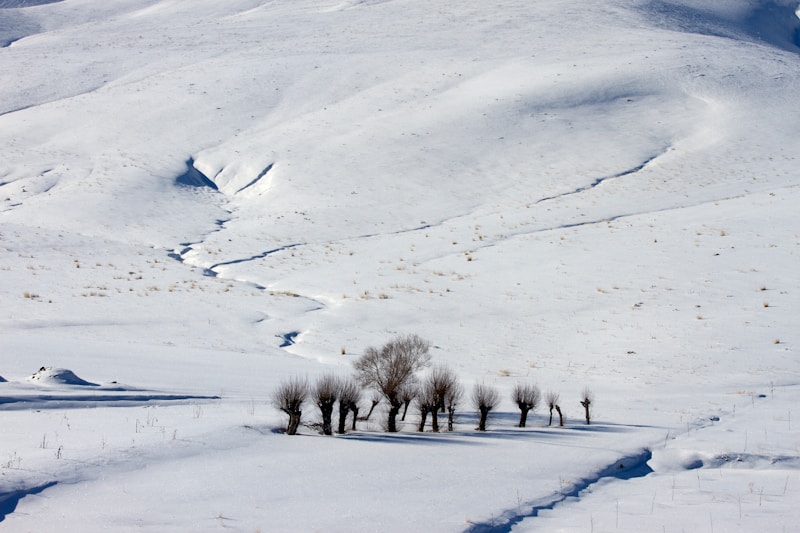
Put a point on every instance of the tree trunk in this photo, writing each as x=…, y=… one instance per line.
x=523, y=415
x=294, y=423
x=550, y=422
x=482, y=421
x=405, y=410
x=435, y=419
x=327, y=416
x=354, y=409
x=391, y=425
x=560, y=416
x=450, y=416
x=423, y=416
x=342, y=418
x=585, y=405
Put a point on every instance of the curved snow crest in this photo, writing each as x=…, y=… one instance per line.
x=59, y=376
x=234, y=177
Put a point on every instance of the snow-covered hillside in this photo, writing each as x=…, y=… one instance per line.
x=200, y=199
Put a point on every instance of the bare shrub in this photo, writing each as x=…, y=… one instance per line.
x=289, y=397
x=526, y=396
x=551, y=399
x=484, y=398
x=349, y=396
x=587, y=398
x=392, y=367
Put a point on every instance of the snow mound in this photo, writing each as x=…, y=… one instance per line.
x=675, y=460
x=59, y=376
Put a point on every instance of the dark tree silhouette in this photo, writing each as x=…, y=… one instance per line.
x=587, y=397
x=452, y=400
x=526, y=396
x=325, y=393
x=349, y=396
x=439, y=382
x=391, y=368
x=289, y=397
x=484, y=398
x=551, y=400
x=427, y=403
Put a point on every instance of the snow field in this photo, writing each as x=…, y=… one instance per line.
x=600, y=195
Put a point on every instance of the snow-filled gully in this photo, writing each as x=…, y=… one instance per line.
x=629, y=467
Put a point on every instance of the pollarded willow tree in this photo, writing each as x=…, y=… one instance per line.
x=349, y=396
x=391, y=368
x=587, y=398
x=435, y=389
x=289, y=397
x=552, y=401
x=526, y=396
x=325, y=393
x=452, y=400
x=484, y=398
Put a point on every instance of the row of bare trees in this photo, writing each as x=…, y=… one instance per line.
x=391, y=371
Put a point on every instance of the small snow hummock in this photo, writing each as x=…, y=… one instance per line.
x=59, y=376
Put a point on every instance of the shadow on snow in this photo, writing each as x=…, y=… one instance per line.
x=633, y=466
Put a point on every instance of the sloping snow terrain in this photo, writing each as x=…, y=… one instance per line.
x=199, y=200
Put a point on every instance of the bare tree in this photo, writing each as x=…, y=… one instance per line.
x=560, y=416
x=349, y=396
x=451, y=401
x=551, y=400
x=289, y=397
x=440, y=381
x=587, y=397
x=427, y=402
x=392, y=367
x=526, y=396
x=325, y=392
x=484, y=398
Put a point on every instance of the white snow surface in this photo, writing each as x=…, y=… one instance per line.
x=200, y=199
